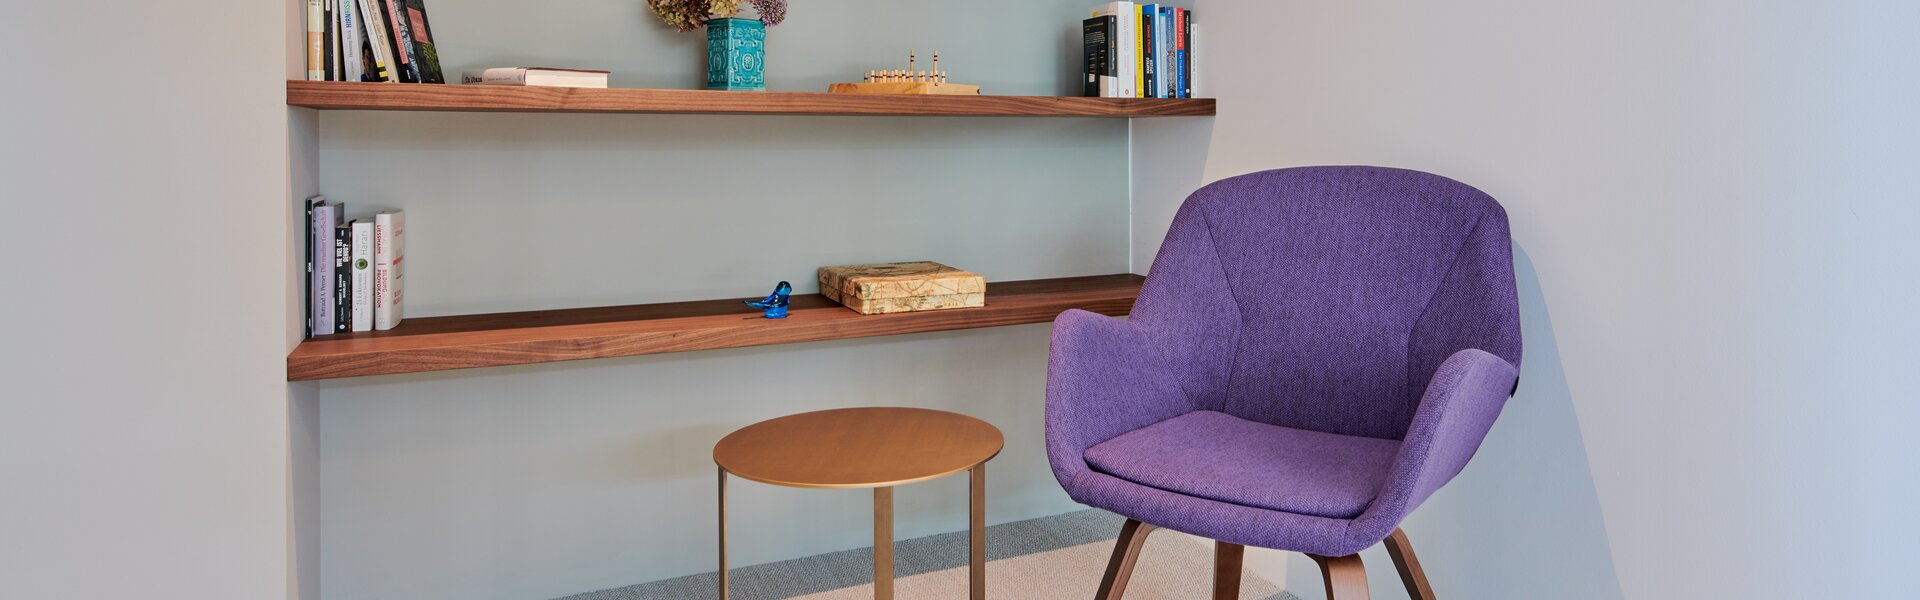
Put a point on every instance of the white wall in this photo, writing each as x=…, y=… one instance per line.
x=144, y=422
x=543, y=480
x=1714, y=210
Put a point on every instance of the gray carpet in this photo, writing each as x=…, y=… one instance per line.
x=854, y=568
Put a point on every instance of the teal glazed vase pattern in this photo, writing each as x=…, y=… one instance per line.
x=736, y=54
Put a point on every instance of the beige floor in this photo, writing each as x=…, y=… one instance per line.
x=1171, y=568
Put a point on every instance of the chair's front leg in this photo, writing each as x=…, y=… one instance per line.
x=1126, y=551
x=1227, y=559
x=1409, y=566
x=1346, y=578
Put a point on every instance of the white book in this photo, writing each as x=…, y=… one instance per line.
x=325, y=218
x=350, y=37
x=362, y=274
x=537, y=76
x=389, y=268
x=1127, y=16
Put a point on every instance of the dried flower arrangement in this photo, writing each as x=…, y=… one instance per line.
x=688, y=15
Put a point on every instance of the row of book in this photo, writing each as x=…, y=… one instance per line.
x=355, y=269
x=1139, y=50
x=371, y=40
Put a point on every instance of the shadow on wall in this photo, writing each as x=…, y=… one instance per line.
x=1523, y=520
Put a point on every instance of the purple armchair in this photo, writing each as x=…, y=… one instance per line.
x=1314, y=353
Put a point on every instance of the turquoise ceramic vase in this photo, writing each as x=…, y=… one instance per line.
x=736, y=54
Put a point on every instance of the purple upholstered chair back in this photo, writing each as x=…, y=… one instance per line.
x=1323, y=298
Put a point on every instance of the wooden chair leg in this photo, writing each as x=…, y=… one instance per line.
x=1346, y=578
x=1409, y=566
x=1126, y=551
x=1226, y=570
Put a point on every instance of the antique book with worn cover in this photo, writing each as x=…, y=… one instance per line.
x=902, y=287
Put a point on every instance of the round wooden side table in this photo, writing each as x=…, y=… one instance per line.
x=867, y=448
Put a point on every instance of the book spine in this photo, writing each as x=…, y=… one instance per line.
x=376, y=41
x=1196, y=68
x=316, y=40
x=1180, y=52
x=1168, y=71
x=329, y=42
x=307, y=329
x=325, y=218
x=426, y=58
x=1139, y=54
x=362, y=286
x=350, y=36
x=1125, y=52
x=389, y=243
x=402, y=41
x=1151, y=61
x=505, y=76
x=343, y=278
x=1093, y=40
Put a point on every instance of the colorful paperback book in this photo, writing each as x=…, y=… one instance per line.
x=1179, y=50
x=1168, y=73
x=1149, y=41
x=400, y=40
x=376, y=41
x=320, y=292
x=343, y=278
x=389, y=268
x=362, y=277
x=420, y=49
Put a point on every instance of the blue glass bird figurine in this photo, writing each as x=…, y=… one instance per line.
x=775, y=303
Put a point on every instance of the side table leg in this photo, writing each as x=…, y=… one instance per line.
x=977, y=534
x=883, y=543
x=723, y=535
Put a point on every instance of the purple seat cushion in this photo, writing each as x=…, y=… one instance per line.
x=1224, y=458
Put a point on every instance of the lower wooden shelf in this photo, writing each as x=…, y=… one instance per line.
x=491, y=340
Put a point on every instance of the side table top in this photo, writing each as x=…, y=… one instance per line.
x=858, y=447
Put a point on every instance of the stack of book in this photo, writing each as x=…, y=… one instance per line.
x=371, y=40
x=355, y=269
x=1137, y=50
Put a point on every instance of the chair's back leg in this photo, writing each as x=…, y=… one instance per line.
x=1409, y=566
x=1226, y=570
x=1126, y=551
x=1346, y=578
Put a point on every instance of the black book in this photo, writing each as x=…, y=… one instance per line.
x=400, y=62
x=426, y=59
x=307, y=224
x=330, y=44
x=1096, y=35
x=343, y=278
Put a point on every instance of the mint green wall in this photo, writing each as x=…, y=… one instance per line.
x=537, y=481
x=1713, y=206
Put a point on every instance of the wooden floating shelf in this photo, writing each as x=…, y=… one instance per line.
x=491, y=340
x=344, y=95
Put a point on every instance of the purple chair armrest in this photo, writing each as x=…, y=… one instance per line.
x=1461, y=402
x=1104, y=378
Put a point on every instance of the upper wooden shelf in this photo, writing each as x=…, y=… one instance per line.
x=468, y=341
x=343, y=95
